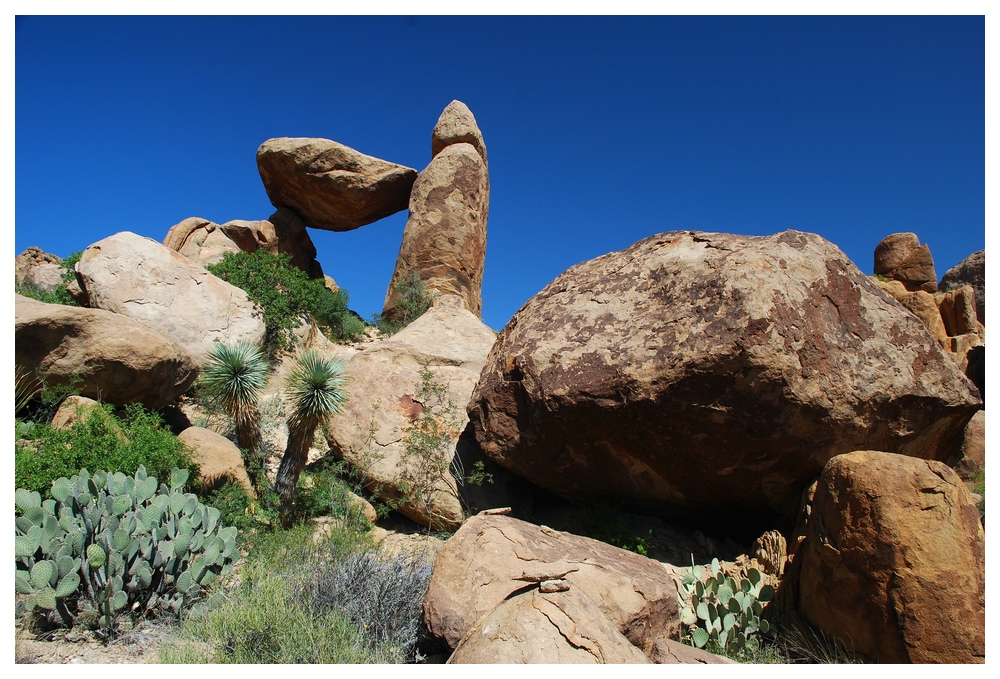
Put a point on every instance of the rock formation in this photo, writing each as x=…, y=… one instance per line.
x=901, y=257
x=218, y=458
x=38, y=268
x=445, y=235
x=118, y=359
x=970, y=271
x=204, y=242
x=893, y=560
x=457, y=125
x=329, y=185
x=383, y=383
x=139, y=278
x=689, y=356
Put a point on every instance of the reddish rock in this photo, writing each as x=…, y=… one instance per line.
x=970, y=271
x=901, y=257
x=752, y=359
x=457, y=125
x=893, y=560
x=332, y=186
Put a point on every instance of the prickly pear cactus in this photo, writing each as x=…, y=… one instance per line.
x=111, y=543
x=721, y=611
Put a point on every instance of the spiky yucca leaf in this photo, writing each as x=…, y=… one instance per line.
x=234, y=377
x=316, y=386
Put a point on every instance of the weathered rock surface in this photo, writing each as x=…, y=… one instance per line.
x=382, y=392
x=902, y=258
x=219, y=459
x=753, y=359
x=532, y=627
x=923, y=305
x=893, y=560
x=479, y=567
x=329, y=185
x=973, y=455
x=73, y=409
x=670, y=652
x=445, y=235
x=118, y=359
x=204, y=242
x=970, y=271
x=457, y=125
x=139, y=278
x=39, y=268
x=958, y=311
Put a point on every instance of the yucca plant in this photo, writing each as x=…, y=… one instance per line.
x=315, y=390
x=234, y=377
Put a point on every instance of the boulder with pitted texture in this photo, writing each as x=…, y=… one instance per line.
x=893, y=560
x=970, y=271
x=901, y=257
x=457, y=125
x=329, y=185
x=755, y=358
x=139, y=278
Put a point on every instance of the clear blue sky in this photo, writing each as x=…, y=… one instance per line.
x=601, y=131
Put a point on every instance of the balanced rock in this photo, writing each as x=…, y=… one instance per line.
x=751, y=359
x=970, y=271
x=457, y=125
x=893, y=560
x=219, y=460
x=329, y=185
x=139, y=278
x=551, y=628
x=118, y=359
x=482, y=564
x=901, y=257
x=445, y=235
x=204, y=242
x=384, y=410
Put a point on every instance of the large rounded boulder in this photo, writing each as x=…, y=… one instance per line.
x=713, y=373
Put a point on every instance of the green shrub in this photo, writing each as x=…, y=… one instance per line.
x=110, y=544
x=284, y=294
x=412, y=299
x=60, y=295
x=100, y=440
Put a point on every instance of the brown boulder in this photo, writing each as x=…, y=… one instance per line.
x=554, y=628
x=329, y=185
x=970, y=271
x=218, y=458
x=958, y=311
x=893, y=560
x=39, y=268
x=73, y=409
x=445, y=235
x=139, y=278
x=457, y=125
x=754, y=359
x=924, y=306
x=481, y=566
x=901, y=257
x=973, y=456
x=118, y=359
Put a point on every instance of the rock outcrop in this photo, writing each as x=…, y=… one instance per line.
x=491, y=558
x=118, y=359
x=445, y=235
x=36, y=267
x=751, y=359
x=73, y=409
x=204, y=242
x=893, y=560
x=554, y=628
x=970, y=271
x=901, y=257
x=139, y=278
x=384, y=409
x=219, y=459
x=332, y=186
x=457, y=125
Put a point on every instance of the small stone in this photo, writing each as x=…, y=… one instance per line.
x=552, y=586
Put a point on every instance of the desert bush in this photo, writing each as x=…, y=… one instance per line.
x=285, y=294
x=110, y=544
x=60, y=295
x=100, y=440
x=412, y=299
x=382, y=595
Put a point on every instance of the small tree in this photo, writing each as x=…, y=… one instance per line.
x=234, y=377
x=315, y=388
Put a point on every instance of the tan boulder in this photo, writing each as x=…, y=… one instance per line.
x=973, y=455
x=901, y=257
x=893, y=560
x=139, y=278
x=37, y=267
x=970, y=271
x=483, y=563
x=73, y=409
x=670, y=652
x=457, y=125
x=381, y=412
x=554, y=628
x=329, y=185
x=218, y=458
x=958, y=311
x=445, y=235
x=118, y=359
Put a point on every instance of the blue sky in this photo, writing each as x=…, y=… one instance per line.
x=601, y=131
